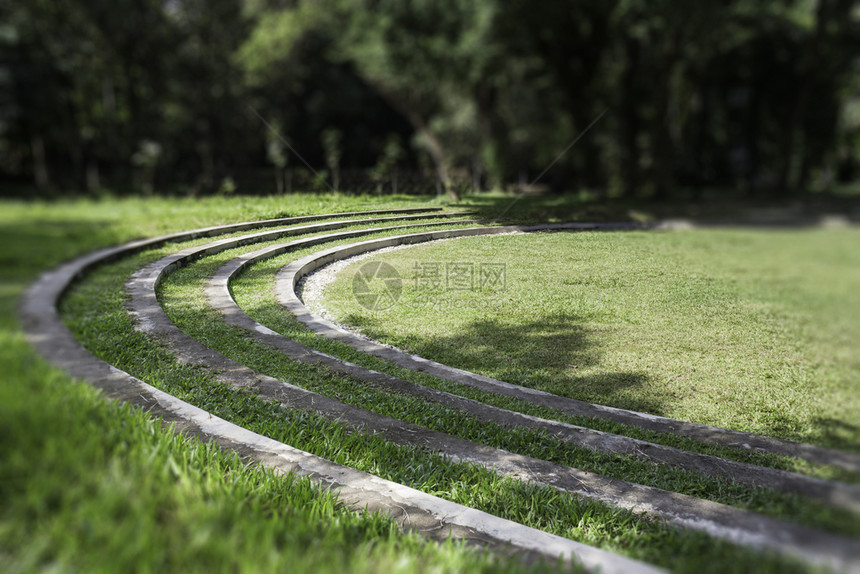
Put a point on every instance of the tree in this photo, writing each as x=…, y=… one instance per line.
x=751, y=93
x=421, y=57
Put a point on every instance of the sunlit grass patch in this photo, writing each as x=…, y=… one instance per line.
x=741, y=329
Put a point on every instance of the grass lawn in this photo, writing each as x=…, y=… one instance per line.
x=753, y=330
x=744, y=329
x=87, y=485
x=182, y=296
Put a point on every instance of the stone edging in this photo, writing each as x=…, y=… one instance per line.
x=289, y=277
x=737, y=525
x=836, y=494
x=434, y=518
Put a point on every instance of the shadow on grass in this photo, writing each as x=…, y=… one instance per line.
x=837, y=434
x=543, y=208
x=717, y=205
x=544, y=354
x=548, y=353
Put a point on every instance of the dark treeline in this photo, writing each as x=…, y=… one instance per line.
x=188, y=95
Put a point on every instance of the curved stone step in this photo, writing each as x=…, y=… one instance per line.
x=736, y=525
x=82, y=265
x=290, y=276
x=836, y=494
x=430, y=516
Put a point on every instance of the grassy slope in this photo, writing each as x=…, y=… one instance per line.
x=183, y=299
x=743, y=329
x=56, y=482
x=88, y=485
x=94, y=311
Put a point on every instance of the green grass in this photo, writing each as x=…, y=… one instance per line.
x=69, y=498
x=254, y=292
x=104, y=325
x=185, y=303
x=102, y=488
x=87, y=485
x=741, y=329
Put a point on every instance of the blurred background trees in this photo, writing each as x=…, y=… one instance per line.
x=184, y=95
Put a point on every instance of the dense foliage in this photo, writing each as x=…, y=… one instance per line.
x=191, y=94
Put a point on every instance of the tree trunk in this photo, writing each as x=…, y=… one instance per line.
x=477, y=170
x=630, y=176
x=661, y=136
x=206, y=178
x=434, y=145
x=92, y=175
x=661, y=143
x=335, y=176
x=437, y=154
x=752, y=138
x=784, y=182
x=279, y=180
x=40, y=163
x=496, y=149
x=809, y=66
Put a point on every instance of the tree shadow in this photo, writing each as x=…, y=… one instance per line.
x=543, y=354
x=716, y=205
x=549, y=353
x=529, y=208
x=837, y=434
